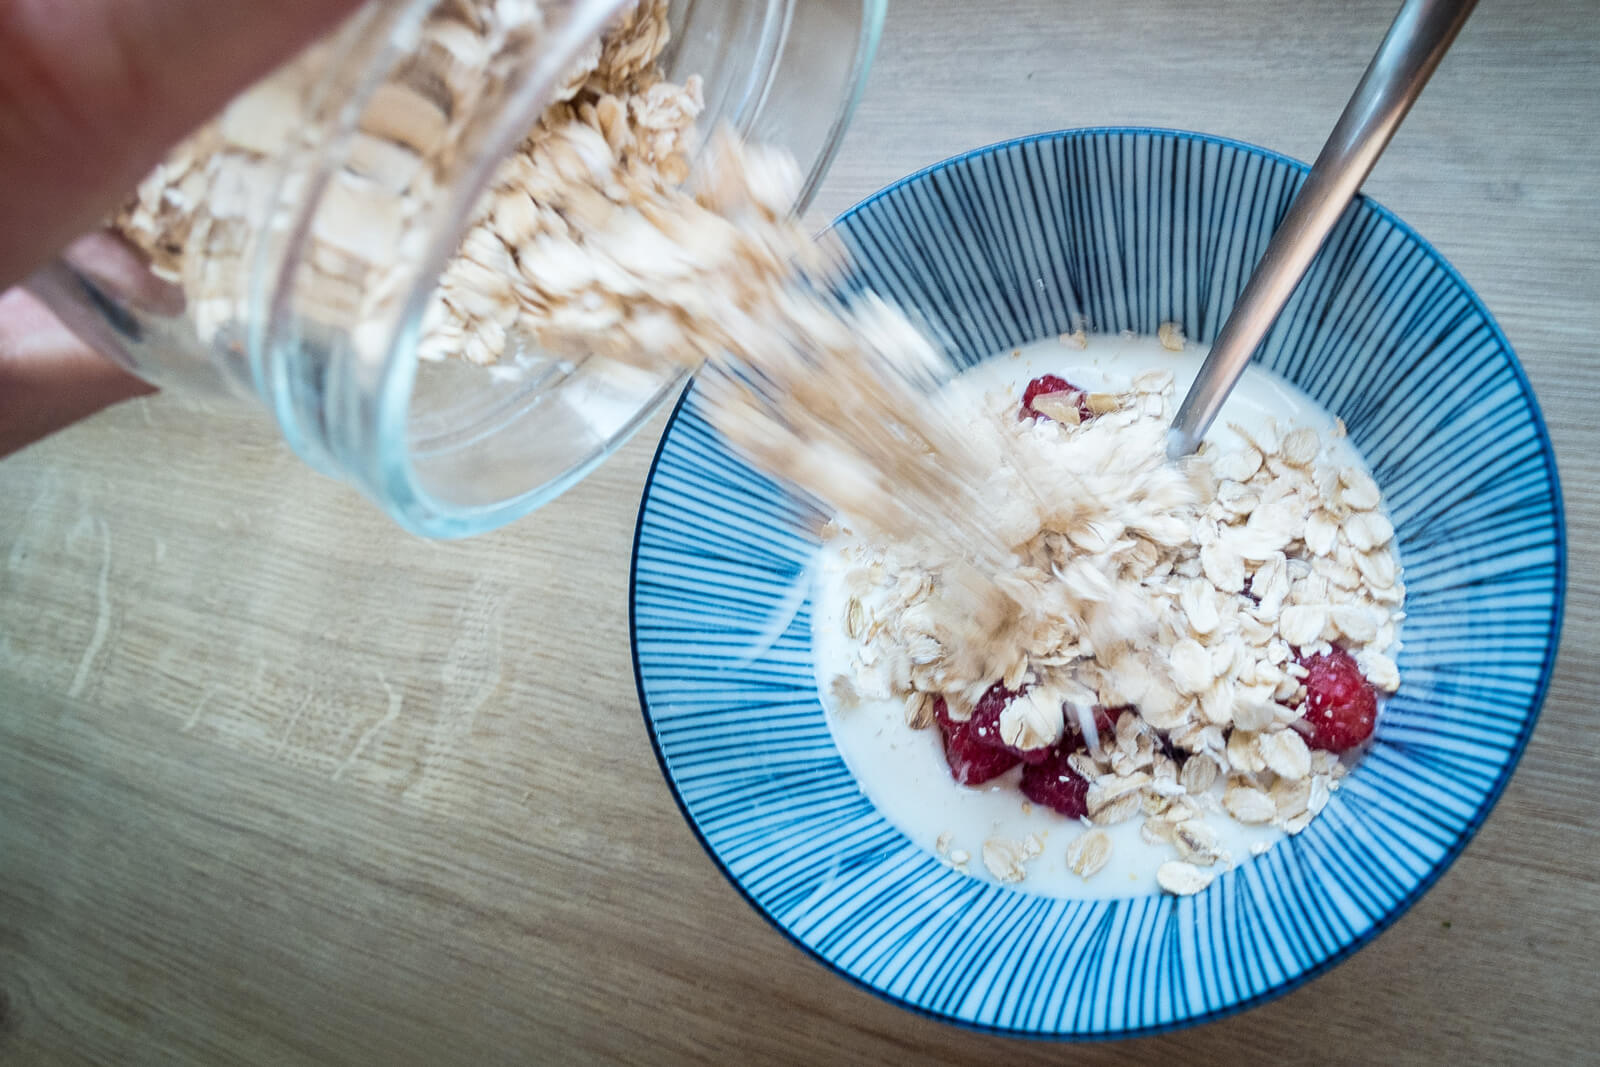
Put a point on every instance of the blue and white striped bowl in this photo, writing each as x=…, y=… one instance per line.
x=1127, y=229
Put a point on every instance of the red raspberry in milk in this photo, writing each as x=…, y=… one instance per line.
x=973, y=748
x=1054, y=784
x=1341, y=705
x=1050, y=385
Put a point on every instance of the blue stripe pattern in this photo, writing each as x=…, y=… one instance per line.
x=1120, y=230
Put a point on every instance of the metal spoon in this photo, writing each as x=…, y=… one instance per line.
x=1416, y=41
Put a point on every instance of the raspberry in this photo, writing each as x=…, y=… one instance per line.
x=972, y=748
x=1043, y=386
x=1105, y=719
x=965, y=742
x=990, y=705
x=1055, y=784
x=1341, y=706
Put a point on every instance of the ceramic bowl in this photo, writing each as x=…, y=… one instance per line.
x=1127, y=228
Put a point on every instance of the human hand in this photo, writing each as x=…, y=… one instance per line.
x=92, y=94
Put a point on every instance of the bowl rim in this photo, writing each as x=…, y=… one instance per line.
x=1452, y=853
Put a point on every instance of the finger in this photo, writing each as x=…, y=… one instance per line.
x=93, y=92
x=48, y=378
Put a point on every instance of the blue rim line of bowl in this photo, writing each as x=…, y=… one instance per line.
x=1491, y=798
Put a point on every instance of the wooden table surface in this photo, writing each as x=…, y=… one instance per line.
x=280, y=783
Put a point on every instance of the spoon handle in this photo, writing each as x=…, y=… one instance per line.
x=1416, y=41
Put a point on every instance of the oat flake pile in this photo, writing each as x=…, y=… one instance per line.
x=1169, y=629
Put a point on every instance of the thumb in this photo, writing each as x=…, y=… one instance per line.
x=93, y=93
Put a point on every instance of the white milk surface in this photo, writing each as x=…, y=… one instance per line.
x=903, y=771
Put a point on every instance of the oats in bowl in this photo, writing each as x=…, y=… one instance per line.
x=1184, y=652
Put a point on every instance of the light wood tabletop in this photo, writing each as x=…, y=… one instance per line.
x=280, y=783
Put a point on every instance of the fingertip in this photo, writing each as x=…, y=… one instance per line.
x=48, y=378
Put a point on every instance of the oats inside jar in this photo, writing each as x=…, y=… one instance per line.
x=1186, y=659
x=628, y=239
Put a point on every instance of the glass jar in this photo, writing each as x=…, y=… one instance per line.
x=286, y=316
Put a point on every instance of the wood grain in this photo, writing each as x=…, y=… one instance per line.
x=279, y=783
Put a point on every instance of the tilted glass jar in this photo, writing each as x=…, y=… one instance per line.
x=310, y=299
